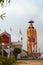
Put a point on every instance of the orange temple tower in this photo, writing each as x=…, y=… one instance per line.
x=31, y=39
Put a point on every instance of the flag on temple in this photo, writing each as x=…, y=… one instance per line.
x=20, y=32
x=10, y=29
x=21, y=38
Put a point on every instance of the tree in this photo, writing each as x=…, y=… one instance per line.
x=2, y=16
x=1, y=39
x=2, y=2
x=16, y=52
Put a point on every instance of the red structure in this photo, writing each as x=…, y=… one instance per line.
x=6, y=37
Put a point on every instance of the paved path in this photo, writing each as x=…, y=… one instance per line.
x=30, y=62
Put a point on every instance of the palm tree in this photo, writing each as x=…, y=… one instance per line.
x=2, y=2
x=2, y=16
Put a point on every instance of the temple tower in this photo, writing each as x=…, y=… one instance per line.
x=31, y=39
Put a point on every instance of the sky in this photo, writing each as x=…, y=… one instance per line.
x=18, y=13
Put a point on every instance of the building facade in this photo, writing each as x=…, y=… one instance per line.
x=6, y=37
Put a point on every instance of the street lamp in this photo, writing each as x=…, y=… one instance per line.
x=2, y=49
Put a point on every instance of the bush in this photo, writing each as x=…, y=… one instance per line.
x=0, y=52
x=24, y=57
x=0, y=63
x=16, y=52
x=7, y=61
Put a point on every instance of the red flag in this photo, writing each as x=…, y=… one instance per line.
x=10, y=29
x=20, y=31
x=21, y=38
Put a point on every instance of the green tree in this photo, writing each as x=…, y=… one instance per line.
x=8, y=61
x=2, y=2
x=1, y=39
x=16, y=52
x=2, y=16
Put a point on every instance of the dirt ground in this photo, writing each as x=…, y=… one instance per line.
x=30, y=62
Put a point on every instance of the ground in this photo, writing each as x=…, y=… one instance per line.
x=30, y=62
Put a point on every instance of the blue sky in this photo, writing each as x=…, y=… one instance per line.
x=17, y=16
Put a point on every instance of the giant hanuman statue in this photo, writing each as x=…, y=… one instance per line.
x=31, y=39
